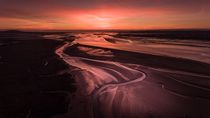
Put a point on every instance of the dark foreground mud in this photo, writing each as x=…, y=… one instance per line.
x=33, y=82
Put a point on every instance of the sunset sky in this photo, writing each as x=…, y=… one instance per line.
x=104, y=14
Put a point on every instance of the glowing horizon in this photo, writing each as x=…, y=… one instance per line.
x=113, y=14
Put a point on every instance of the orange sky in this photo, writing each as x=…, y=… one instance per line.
x=104, y=14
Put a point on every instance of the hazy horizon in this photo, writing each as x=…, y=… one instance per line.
x=66, y=30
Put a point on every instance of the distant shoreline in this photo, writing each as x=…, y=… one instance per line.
x=193, y=34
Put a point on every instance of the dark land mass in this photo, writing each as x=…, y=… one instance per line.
x=30, y=83
x=169, y=34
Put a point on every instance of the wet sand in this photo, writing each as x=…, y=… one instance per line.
x=116, y=83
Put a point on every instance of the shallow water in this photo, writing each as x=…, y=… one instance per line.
x=189, y=49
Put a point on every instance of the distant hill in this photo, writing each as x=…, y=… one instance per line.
x=12, y=31
x=169, y=34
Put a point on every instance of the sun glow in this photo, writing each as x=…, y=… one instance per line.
x=103, y=22
x=95, y=21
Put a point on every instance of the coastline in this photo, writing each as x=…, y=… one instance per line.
x=45, y=76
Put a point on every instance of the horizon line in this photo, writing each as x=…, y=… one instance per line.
x=163, y=29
